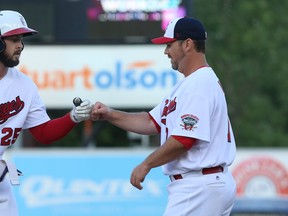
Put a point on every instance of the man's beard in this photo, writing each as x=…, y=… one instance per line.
x=8, y=62
x=174, y=65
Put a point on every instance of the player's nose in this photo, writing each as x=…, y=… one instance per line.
x=166, y=50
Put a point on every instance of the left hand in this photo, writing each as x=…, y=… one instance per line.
x=82, y=112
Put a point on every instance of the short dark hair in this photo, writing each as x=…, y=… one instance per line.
x=199, y=45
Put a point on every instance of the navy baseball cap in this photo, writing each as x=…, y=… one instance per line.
x=182, y=28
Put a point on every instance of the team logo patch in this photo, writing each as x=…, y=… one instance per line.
x=189, y=121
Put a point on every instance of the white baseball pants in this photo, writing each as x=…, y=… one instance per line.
x=8, y=206
x=201, y=195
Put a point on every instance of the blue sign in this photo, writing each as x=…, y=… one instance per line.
x=85, y=184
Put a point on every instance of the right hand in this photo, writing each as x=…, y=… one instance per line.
x=81, y=112
x=138, y=175
x=99, y=111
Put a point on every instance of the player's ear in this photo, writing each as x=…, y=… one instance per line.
x=188, y=44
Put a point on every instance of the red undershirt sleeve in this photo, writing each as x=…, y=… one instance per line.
x=188, y=142
x=53, y=130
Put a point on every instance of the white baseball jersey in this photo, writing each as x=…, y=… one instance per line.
x=20, y=107
x=196, y=107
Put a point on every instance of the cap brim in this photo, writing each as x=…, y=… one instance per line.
x=20, y=31
x=162, y=40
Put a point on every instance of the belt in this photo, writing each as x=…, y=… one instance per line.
x=204, y=171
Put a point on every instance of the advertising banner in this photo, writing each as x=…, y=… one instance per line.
x=63, y=182
x=262, y=181
x=128, y=76
x=261, y=173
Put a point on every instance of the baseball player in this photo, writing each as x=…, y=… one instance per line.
x=21, y=106
x=197, y=142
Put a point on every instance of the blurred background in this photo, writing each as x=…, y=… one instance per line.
x=101, y=50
